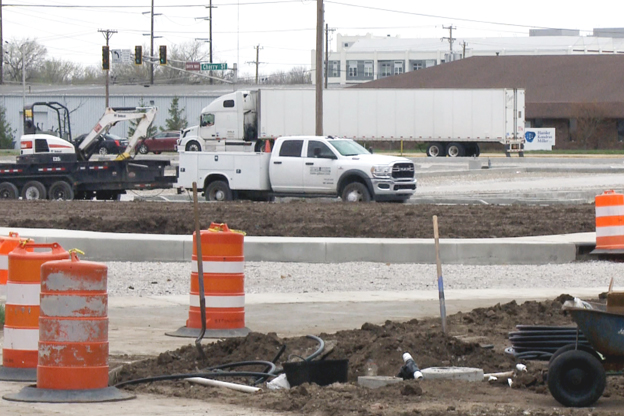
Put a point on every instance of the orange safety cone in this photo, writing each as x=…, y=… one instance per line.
x=7, y=244
x=224, y=292
x=609, y=223
x=21, y=327
x=73, y=336
x=267, y=146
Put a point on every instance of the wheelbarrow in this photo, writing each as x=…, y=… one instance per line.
x=577, y=373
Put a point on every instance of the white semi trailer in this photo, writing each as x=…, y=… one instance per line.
x=453, y=122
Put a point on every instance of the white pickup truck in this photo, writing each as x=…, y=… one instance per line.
x=303, y=166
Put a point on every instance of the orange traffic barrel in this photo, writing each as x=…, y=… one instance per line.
x=609, y=223
x=73, y=335
x=223, y=265
x=7, y=244
x=21, y=326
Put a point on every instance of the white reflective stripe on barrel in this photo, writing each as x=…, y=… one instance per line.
x=610, y=211
x=219, y=301
x=220, y=266
x=607, y=231
x=21, y=339
x=4, y=262
x=26, y=294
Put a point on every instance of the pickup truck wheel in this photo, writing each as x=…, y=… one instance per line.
x=61, y=190
x=193, y=147
x=33, y=190
x=102, y=151
x=356, y=192
x=436, y=150
x=218, y=191
x=143, y=149
x=8, y=191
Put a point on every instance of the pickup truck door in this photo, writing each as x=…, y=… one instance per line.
x=286, y=167
x=320, y=167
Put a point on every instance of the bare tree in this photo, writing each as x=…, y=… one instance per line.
x=299, y=75
x=57, y=71
x=178, y=55
x=585, y=126
x=27, y=53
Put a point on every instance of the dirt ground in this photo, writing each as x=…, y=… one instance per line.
x=475, y=339
x=311, y=218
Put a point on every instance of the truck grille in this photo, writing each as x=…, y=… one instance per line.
x=403, y=171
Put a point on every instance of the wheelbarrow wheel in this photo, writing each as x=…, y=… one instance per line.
x=576, y=378
x=570, y=347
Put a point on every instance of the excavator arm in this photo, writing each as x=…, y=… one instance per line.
x=112, y=116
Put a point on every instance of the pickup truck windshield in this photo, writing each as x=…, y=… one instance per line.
x=348, y=147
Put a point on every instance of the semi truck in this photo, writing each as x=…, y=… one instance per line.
x=452, y=122
x=53, y=165
x=300, y=166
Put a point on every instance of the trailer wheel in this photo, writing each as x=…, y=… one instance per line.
x=436, y=150
x=455, y=150
x=33, y=190
x=576, y=378
x=143, y=149
x=218, y=191
x=473, y=150
x=61, y=190
x=193, y=146
x=102, y=151
x=356, y=192
x=8, y=191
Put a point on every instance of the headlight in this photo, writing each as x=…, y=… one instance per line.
x=383, y=171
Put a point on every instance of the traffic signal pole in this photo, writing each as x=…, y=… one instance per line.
x=108, y=33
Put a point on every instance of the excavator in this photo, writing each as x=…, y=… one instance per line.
x=53, y=165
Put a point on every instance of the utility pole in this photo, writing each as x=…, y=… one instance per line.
x=319, y=67
x=327, y=30
x=152, y=46
x=1, y=47
x=257, y=61
x=451, y=39
x=209, y=18
x=108, y=33
x=464, y=44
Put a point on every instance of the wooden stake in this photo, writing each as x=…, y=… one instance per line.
x=436, y=236
x=200, y=274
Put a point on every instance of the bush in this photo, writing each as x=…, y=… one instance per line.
x=7, y=134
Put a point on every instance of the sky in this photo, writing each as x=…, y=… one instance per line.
x=284, y=30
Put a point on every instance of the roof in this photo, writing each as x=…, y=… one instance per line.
x=558, y=86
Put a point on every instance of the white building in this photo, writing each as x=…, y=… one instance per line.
x=359, y=59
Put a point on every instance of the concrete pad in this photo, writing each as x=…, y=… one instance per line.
x=452, y=373
x=375, y=382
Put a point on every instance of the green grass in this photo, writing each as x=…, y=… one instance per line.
x=577, y=152
x=9, y=152
x=1, y=316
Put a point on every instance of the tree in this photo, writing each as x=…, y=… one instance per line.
x=587, y=124
x=152, y=130
x=57, y=71
x=177, y=119
x=177, y=56
x=26, y=52
x=7, y=134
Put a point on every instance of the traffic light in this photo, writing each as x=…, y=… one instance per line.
x=105, y=58
x=138, y=55
x=163, y=54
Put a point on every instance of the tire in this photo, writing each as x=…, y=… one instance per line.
x=455, y=150
x=472, y=149
x=193, y=146
x=571, y=347
x=33, y=190
x=576, y=378
x=143, y=149
x=102, y=151
x=477, y=150
x=8, y=191
x=436, y=150
x=218, y=191
x=61, y=190
x=355, y=192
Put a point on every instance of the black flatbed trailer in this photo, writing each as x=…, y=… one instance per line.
x=62, y=176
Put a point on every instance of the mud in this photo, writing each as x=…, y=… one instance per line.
x=310, y=218
x=474, y=339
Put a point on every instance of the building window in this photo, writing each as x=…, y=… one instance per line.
x=416, y=66
x=334, y=69
x=385, y=69
x=398, y=67
x=353, y=69
x=368, y=69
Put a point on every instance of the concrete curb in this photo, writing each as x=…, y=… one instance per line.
x=152, y=247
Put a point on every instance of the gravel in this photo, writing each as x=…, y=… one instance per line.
x=159, y=278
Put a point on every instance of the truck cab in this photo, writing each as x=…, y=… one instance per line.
x=224, y=121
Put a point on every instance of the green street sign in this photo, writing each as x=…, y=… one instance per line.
x=213, y=67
